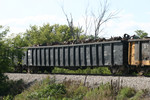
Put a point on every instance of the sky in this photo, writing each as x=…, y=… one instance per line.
x=19, y=15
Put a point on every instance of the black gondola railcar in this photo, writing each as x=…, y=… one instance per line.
x=113, y=54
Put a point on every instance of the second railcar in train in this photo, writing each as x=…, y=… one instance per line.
x=139, y=54
x=109, y=53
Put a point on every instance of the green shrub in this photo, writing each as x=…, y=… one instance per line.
x=3, y=84
x=138, y=95
x=126, y=93
x=8, y=97
x=10, y=87
x=45, y=89
x=50, y=91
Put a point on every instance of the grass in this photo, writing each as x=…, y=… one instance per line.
x=98, y=70
x=95, y=70
x=76, y=90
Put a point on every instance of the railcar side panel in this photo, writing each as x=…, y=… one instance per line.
x=52, y=56
x=100, y=55
x=77, y=56
x=118, y=54
x=107, y=54
x=30, y=57
x=82, y=58
x=56, y=57
x=145, y=53
x=43, y=60
x=93, y=55
x=61, y=56
x=38, y=57
x=66, y=56
x=47, y=57
x=34, y=57
x=71, y=56
x=88, y=60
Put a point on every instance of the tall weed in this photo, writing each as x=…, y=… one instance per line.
x=101, y=93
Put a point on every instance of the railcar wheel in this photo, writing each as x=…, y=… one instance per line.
x=21, y=69
x=141, y=71
x=42, y=70
x=35, y=70
x=49, y=70
x=119, y=70
x=25, y=68
x=126, y=70
x=18, y=69
x=113, y=70
x=29, y=70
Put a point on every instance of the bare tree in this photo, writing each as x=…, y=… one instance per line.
x=97, y=19
x=78, y=33
x=88, y=22
x=102, y=17
x=70, y=22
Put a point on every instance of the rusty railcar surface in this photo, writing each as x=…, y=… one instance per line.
x=139, y=52
x=110, y=53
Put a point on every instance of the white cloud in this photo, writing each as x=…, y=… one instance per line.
x=21, y=24
x=148, y=13
x=127, y=24
x=118, y=27
x=31, y=19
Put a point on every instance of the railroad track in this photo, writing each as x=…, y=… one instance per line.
x=140, y=82
x=121, y=75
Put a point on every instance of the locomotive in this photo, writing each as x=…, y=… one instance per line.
x=126, y=55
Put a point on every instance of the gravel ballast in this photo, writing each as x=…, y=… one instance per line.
x=133, y=82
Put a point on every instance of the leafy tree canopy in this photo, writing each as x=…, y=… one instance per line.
x=46, y=35
x=141, y=33
x=6, y=51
